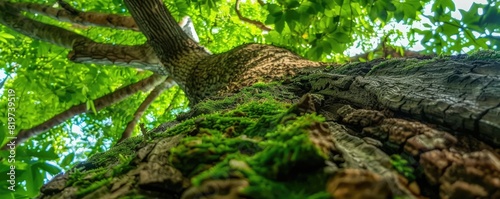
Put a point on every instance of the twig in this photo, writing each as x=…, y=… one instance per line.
x=104, y=101
x=68, y=7
x=254, y=22
x=144, y=105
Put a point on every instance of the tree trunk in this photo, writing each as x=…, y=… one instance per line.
x=400, y=128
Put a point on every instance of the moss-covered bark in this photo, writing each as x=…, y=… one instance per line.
x=383, y=129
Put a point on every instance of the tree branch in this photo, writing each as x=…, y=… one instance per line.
x=100, y=103
x=11, y=17
x=161, y=29
x=177, y=52
x=85, y=50
x=261, y=2
x=253, y=22
x=68, y=7
x=138, y=56
x=70, y=14
x=168, y=83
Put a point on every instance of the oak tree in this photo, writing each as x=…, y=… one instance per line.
x=258, y=137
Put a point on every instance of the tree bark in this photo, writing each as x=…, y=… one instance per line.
x=405, y=128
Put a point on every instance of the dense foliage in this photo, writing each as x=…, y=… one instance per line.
x=46, y=82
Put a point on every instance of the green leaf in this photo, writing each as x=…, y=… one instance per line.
x=448, y=29
x=292, y=17
x=481, y=42
x=279, y=24
x=6, y=35
x=49, y=154
x=399, y=16
x=339, y=2
x=389, y=6
x=374, y=11
x=383, y=15
x=330, y=5
x=448, y=4
x=68, y=159
x=342, y=37
x=427, y=36
x=273, y=8
x=92, y=106
x=292, y=3
x=314, y=53
x=337, y=47
x=53, y=170
x=326, y=47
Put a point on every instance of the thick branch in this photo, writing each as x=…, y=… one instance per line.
x=253, y=22
x=178, y=53
x=85, y=50
x=10, y=17
x=168, y=83
x=100, y=103
x=164, y=34
x=69, y=14
x=140, y=56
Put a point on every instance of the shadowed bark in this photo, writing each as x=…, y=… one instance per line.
x=70, y=14
x=84, y=50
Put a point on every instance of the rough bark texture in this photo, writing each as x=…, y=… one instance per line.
x=84, y=50
x=400, y=128
x=199, y=73
x=11, y=17
x=69, y=14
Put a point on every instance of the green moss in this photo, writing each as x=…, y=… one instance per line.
x=272, y=166
x=125, y=148
x=222, y=123
x=258, y=91
x=124, y=165
x=247, y=107
x=384, y=64
x=265, y=124
x=94, y=186
x=415, y=63
x=186, y=126
x=263, y=85
x=267, y=138
x=311, y=186
x=345, y=67
x=194, y=152
x=288, y=149
x=405, y=64
x=256, y=109
x=484, y=55
x=89, y=180
x=403, y=167
x=84, y=178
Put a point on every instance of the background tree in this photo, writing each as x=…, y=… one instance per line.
x=48, y=84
